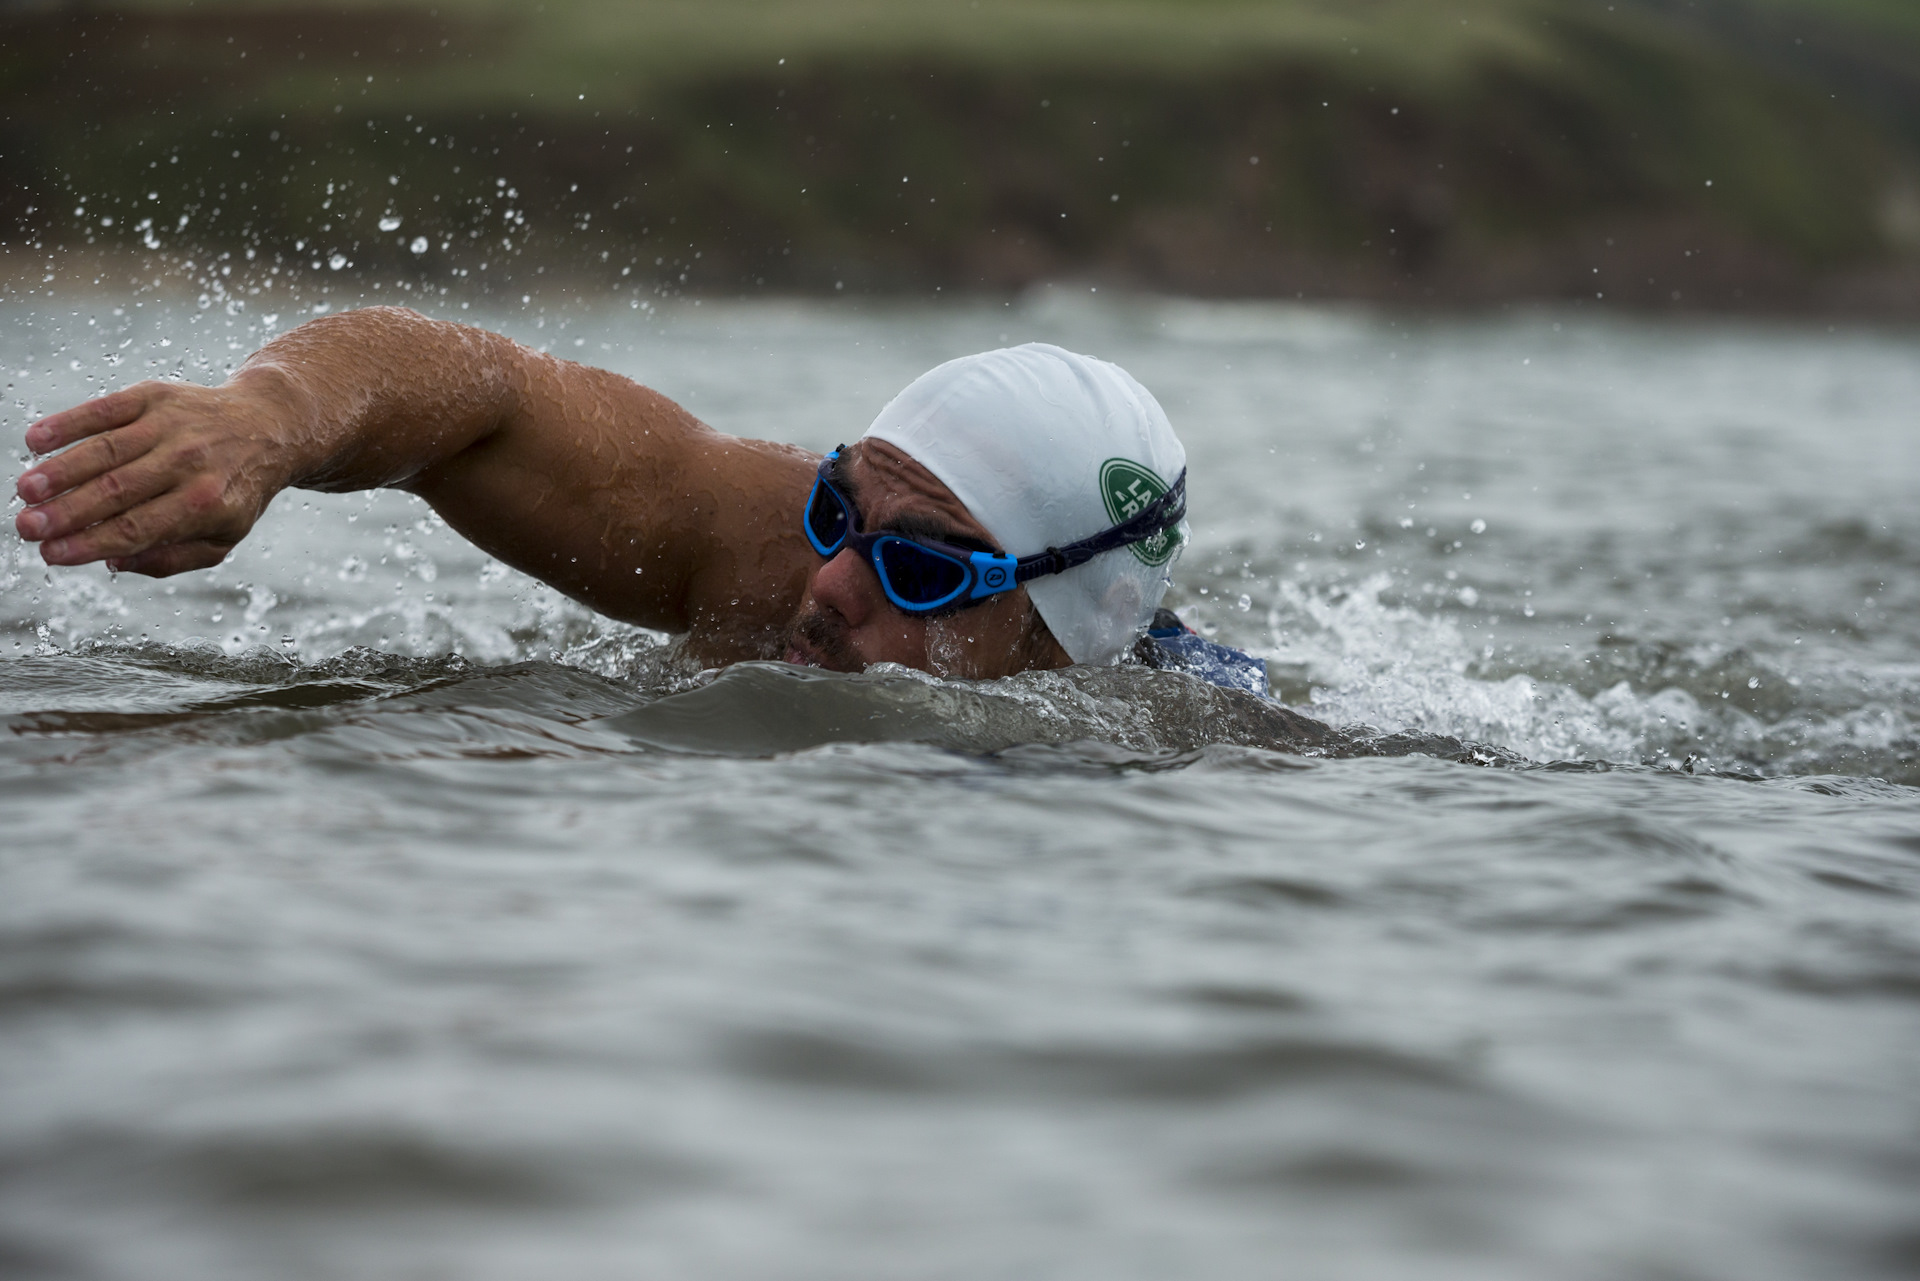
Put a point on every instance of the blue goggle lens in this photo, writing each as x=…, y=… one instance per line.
x=918, y=576
x=827, y=519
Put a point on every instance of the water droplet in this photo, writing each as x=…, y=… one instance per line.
x=337, y=261
x=1479, y=526
x=390, y=223
x=1753, y=682
x=419, y=244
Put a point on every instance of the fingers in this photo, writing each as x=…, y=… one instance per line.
x=183, y=515
x=163, y=562
x=90, y=419
x=114, y=448
x=95, y=481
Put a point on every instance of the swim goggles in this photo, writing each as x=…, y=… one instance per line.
x=926, y=576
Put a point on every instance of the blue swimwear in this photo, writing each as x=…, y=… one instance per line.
x=1171, y=645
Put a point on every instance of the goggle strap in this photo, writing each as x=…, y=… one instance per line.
x=1161, y=514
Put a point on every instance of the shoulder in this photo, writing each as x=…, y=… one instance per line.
x=742, y=500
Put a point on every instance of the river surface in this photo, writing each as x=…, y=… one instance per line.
x=368, y=911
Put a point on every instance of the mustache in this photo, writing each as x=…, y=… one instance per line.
x=817, y=631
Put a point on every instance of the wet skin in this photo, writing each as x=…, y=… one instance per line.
x=588, y=481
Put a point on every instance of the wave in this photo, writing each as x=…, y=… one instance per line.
x=1360, y=671
x=773, y=708
x=1349, y=657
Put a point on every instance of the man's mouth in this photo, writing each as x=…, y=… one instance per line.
x=814, y=641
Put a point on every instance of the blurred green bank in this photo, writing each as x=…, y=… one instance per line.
x=1669, y=153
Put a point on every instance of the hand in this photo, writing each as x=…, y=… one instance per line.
x=166, y=477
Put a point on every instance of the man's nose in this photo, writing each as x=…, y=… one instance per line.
x=847, y=587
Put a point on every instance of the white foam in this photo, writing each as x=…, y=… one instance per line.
x=1394, y=668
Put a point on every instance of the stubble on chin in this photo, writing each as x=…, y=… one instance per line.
x=815, y=635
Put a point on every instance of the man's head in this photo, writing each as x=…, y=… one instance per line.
x=1015, y=451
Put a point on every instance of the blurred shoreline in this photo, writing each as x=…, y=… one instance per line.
x=1454, y=154
x=45, y=276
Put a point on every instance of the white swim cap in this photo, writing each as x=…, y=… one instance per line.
x=1045, y=448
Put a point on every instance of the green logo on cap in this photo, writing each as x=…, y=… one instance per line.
x=1127, y=487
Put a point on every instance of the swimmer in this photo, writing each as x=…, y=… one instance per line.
x=1015, y=510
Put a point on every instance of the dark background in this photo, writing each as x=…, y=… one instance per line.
x=1663, y=154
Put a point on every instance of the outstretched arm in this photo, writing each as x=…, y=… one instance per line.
x=599, y=486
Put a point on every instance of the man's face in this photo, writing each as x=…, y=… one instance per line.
x=846, y=621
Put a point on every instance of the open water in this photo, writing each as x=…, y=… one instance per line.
x=367, y=911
